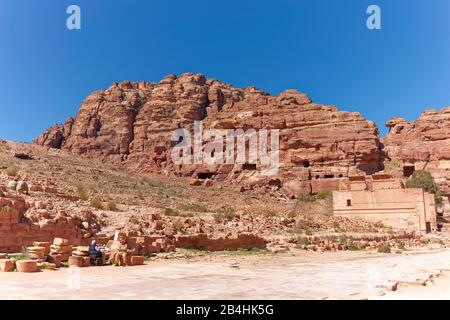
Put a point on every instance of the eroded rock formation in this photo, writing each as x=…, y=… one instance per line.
x=421, y=145
x=132, y=123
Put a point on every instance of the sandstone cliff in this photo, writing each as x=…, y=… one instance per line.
x=131, y=123
x=421, y=145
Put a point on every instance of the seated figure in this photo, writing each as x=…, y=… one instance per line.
x=95, y=254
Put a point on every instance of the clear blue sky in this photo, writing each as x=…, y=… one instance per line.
x=320, y=47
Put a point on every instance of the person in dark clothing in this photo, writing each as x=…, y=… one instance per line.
x=94, y=253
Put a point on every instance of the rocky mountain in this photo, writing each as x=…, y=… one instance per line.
x=423, y=144
x=132, y=123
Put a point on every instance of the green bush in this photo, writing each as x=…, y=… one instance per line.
x=379, y=224
x=22, y=256
x=171, y=212
x=194, y=207
x=300, y=227
x=223, y=216
x=306, y=197
x=5, y=209
x=112, y=206
x=424, y=180
x=82, y=191
x=302, y=241
x=96, y=203
x=384, y=249
x=352, y=247
x=400, y=244
x=323, y=195
x=12, y=171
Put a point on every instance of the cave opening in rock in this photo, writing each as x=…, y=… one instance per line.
x=306, y=164
x=408, y=171
x=249, y=166
x=205, y=175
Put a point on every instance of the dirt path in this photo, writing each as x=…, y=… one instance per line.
x=343, y=275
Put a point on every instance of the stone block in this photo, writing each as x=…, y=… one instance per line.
x=75, y=261
x=54, y=259
x=60, y=241
x=86, y=261
x=36, y=255
x=26, y=266
x=119, y=236
x=46, y=266
x=7, y=265
x=61, y=249
x=46, y=245
x=137, y=260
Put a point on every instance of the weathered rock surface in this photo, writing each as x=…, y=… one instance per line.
x=132, y=123
x=55, y=137
x=421, y=145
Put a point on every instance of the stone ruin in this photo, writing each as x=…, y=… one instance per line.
x=382, y=198
x=22, y=225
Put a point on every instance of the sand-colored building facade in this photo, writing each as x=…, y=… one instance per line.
x=381, y=198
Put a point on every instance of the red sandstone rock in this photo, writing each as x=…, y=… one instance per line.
x=7, y=265
x=132, y=123
x=26, y=266
x=75, y=261
x=36, y=253
x=422, y=144
x=137, y=260
x=55, y=259
x=62, y=249
x=195, y=182
x=86, y=261
x=46, y=245
x=60, y=241
x=46, y=265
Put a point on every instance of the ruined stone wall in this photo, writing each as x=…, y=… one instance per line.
x=202, y=242
x=408, y=209
x=17, y=233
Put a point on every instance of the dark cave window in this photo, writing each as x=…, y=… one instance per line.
x=249, y=166
x=408, y=171
x=349, y=203
x=306, y=164
x=329, y=176
x=205, y=175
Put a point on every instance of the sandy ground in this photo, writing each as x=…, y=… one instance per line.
x=343, y=275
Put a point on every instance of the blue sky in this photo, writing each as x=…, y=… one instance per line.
x=320, y=47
